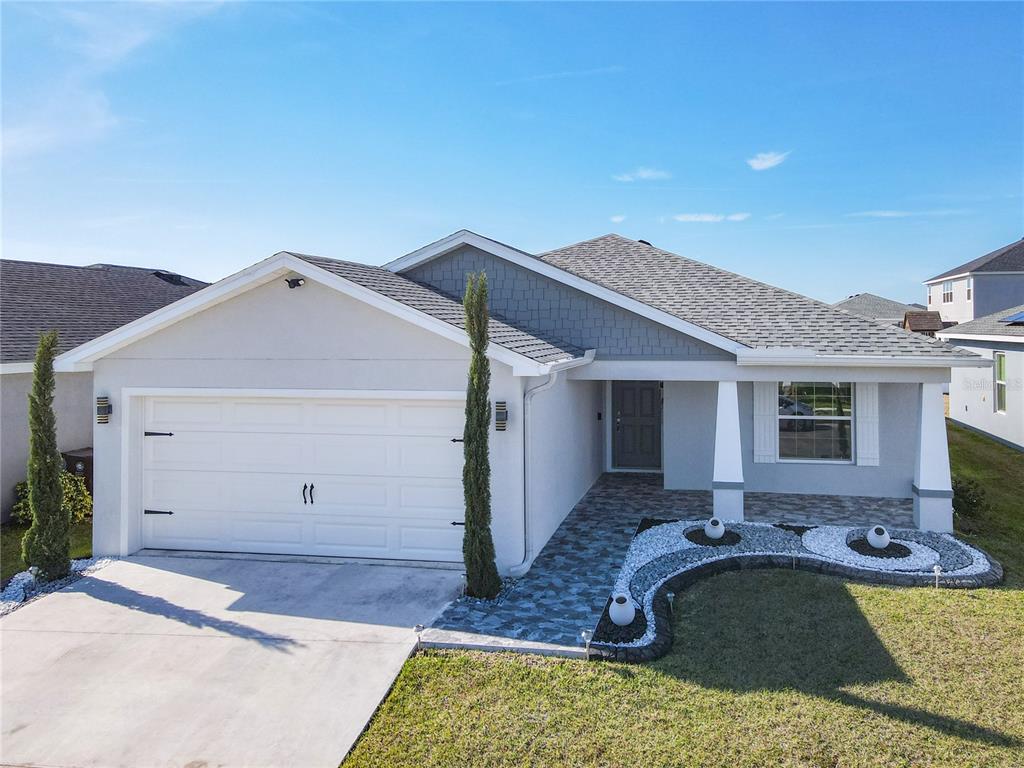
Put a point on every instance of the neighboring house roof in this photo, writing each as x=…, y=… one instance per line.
x=429, y=301
x=923, y=322
x=1009, y=258
x=875, y=307
x=80, y=303
x=752, y=313
x=995, y=324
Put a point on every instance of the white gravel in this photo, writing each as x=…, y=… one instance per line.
x=23, y=586
x=830, y=541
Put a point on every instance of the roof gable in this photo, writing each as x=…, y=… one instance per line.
x=524, y=352
x=1009, y=258
x=875, y=307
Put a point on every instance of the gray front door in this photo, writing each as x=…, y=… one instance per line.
x=636, y=436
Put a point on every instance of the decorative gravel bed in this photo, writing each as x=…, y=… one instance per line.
x=663, y=557
x=23, y=587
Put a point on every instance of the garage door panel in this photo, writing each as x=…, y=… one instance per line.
x=387, y=476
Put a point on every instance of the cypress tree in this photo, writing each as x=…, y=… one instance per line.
x=482, y=578
x=47, y=543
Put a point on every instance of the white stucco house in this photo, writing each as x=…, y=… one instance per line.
x=991, y=401
x=80, y=303
x=979, y=287
x=312, y=406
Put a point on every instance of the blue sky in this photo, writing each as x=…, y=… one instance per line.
x=830, y=149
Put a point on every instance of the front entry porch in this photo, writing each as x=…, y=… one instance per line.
x=566, y=589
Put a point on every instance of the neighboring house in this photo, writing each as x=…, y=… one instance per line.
x=877, y=308
x=80, y=303
x=312, y=406
x=980, y=287
x=991, y=401
x=925, y=322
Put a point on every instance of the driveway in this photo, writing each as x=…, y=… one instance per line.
x=172, y=661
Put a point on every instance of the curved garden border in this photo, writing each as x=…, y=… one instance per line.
x=666, y=562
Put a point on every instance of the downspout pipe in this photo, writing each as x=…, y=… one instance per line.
x=552, y=378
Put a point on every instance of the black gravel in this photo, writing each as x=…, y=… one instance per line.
x=799, y=530
x=697, y=536
x=607, y=631
x=892, y=551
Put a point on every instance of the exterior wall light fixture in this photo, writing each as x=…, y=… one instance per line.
x=103, y=410
x=500, y=416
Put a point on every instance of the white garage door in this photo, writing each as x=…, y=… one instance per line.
x=374, y=478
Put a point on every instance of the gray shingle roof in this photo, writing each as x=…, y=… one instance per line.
x=990, y=325
x=744, y=310
x=1009, y=258
x=80, y=303
x=429, y=301
x=876, y=307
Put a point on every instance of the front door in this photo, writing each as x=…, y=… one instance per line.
x=636, y=437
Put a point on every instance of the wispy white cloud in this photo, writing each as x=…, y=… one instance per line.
x=72, y=107
x=762, y=161
x=900, y=214
x=563, y=74
x=643, y=173
x=710, y=218
x=774, y=216
x=617, y=218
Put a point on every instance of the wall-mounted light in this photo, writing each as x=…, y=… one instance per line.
x=103, y=410
x=295, y=282
x=500, y=416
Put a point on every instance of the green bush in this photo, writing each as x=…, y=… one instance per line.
x=77, y=501
x=969, y=502
x=46, y=545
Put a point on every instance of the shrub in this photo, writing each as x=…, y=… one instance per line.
x=482, y=578
x=77, y=501
x=969, y=502
x=47, y=543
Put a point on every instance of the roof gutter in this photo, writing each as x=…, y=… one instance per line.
x=552, y=378
x=808, y=357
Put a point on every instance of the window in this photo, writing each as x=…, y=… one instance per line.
x=815, y=421
x=947, y=292
x=999, y=374
x=929, y=298
x=970, y=288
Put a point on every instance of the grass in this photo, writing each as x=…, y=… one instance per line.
x=869, y=676
x=10, y=546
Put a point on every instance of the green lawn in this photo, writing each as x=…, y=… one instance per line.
x=870, y=676
x=10, y=546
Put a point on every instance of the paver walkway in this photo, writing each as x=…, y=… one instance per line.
x=566, y=589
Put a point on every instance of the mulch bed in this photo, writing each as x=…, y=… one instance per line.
x=799, y=530
x=607, y=631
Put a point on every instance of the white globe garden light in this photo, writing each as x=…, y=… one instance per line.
x=878, y=537
x=714, y=528
x=622, y=610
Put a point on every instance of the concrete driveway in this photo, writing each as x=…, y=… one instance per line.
x=171, y=661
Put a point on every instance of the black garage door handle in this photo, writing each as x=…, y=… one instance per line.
x=311, y=487
x=304, y=487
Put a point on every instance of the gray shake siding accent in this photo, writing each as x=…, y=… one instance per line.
x=540, y=305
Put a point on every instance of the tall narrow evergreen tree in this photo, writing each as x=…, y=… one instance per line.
x=477, y=545
x=47, y=543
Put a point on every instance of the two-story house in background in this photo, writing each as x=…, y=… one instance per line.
x=988, y=284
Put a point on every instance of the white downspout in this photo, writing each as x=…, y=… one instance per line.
x=521, y=568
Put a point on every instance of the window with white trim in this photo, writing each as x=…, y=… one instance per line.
x=947, y=291
x=970, y=288
x=815, y=421
x=999, y=379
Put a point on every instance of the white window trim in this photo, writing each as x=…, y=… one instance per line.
x=853, y=432
x=996, y=381
x=950, y=291
x=970, y=289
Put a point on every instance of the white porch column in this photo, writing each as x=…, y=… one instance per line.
x=727, y=481
x=933, y=490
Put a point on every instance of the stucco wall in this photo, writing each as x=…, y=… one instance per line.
x=993, y=293
x=72, y=404
x=532, y=301
x=308, y=338
x=972, y=392
x=690, y=440
x=566, y=452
